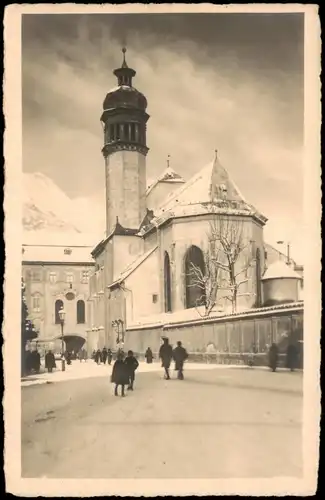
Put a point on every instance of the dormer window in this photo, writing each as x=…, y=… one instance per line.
x=67, y=251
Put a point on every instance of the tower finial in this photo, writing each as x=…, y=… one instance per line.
x=216, y=152
x=124, y=65
x=168, y=161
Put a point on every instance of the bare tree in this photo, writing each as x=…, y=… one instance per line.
x=236, y=256
x=206, y=281
x=226, y=262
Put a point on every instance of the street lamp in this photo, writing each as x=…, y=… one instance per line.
x=62, y=318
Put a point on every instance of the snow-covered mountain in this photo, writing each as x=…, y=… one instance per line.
x=47, y=211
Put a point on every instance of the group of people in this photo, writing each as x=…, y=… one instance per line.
x=123, y=373
x=124, y=368
x=101, y=356
x=291, y=355
x=167, y=354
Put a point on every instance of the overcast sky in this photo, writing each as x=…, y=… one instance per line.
x=228, y=81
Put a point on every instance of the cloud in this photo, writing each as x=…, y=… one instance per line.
x=198, y=100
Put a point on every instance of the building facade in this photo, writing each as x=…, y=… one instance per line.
x=56, y=277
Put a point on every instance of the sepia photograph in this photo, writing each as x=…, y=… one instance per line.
x=161, y=273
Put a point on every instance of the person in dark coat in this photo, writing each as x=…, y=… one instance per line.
x=292, y=357
x=104, y=355
x=120, y=375
x=36, y=361
x=148, y=355
x=131, y=365
x=93, y=356
x=68, y=357
x=180, y=355
x=109, y=356
x=98, y=356
x=273, y=357
x=166, y=356
x=50, y=361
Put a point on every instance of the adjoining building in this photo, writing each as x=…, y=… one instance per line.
x=57, y=276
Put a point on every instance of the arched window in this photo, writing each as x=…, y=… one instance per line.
x=167, y=281
x=58, y=306
x=258, y=279
x=194, y=269
x=81, y=317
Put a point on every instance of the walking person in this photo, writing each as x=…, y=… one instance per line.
x=104, y=355
x=50, y=361
x=292, y=357
x=109, y=356
x=36, y=361
x=273, y=357
x=120, y=376
x=131, y=365
x=98, y=356
x=180, y=355
x=68, y=357
x=148, y=355
x=166, y=356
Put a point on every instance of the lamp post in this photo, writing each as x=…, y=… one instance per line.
x=62, y=318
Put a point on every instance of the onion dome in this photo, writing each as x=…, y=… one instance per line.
x=124, y=95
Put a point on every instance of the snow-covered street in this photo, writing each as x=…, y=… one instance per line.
x=217, y=423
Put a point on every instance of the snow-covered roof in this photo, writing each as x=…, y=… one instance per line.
x=211, y=185
x=168, y=175
x=280, y=269
x=57, y=253
x=133, y=266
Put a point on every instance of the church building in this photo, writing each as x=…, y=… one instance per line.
x=160, y=251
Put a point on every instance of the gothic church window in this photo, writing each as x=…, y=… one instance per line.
x=167, y=283
x=57, y=307
x=194, y=268
x=81, y=317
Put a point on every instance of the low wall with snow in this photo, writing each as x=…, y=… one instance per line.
x=226, y=339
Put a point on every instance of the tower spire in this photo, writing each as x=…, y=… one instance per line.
x=124, y=74
x=124, y=65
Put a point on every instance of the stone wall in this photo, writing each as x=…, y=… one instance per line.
x=227, y=339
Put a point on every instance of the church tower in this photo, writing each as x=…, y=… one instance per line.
x=124, y=121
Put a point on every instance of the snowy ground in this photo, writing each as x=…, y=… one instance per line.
x=89, y=369
x=217, y=423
